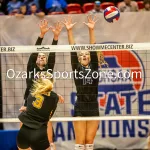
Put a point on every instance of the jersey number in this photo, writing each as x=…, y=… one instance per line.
x=38, y=102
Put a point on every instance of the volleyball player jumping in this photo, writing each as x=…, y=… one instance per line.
x=39, y=62
x=41, y=105
x=87, y=88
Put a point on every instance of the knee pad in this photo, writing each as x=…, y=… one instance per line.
x=79, y=147
x=89, y=147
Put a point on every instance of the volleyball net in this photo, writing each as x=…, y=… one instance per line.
x=124, y=85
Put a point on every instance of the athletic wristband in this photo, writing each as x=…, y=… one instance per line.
x=54, y=42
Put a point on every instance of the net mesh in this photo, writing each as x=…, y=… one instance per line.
x=124, y=74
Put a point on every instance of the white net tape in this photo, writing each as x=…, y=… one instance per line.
x=77, y=48
x=105, y=118
x=74, y=48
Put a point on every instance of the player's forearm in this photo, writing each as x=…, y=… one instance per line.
x=50, y=132
x=41, y=35
x=39, y=40
x=55, y=37
x=92, y=36
x=70, y=37
x=51, y=60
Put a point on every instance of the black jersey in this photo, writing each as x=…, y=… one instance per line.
x=32, y=67
x=87, y=86
x=39, y=110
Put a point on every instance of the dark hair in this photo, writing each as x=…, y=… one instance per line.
x=23, y=5
x=146, y=2
x=33, y=4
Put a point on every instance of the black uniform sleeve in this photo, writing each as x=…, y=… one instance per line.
x=74, y=60
x=94, y=60
x=51, y=57
x=56, y=102
x=55, y=106
x=30, y=67
x=32, y=59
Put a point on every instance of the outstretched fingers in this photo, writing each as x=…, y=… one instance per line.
x=51, y=28
x=89, y=17
x=65, y=21
x=85, y=23
x=43, y=23
x=95, y=19
x=74, y=23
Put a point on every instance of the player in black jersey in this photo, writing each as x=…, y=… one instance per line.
x=39, y=62
x=86, y=80
x=41, y=105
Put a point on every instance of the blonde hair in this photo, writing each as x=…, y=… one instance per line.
x=78, y=53
x=101, y=59
x=100, y=56
x=43, y=84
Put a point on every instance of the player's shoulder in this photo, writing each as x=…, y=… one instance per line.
x=53, y=94
x=30, y=96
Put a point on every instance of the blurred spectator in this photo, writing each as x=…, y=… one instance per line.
x=56, y=5
x=128, y=6
x=34, y=11
x=146, y=5
x=22, y=11
x=28, y=3
x=2, y=7
x=13, y=6
x=97, y=8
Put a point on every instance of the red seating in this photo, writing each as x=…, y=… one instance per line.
x=87, y=7
x=75, y=12
x=106, y=4
x=74, y=7
x=56, y=13
x=13, y=14
x=140, y=4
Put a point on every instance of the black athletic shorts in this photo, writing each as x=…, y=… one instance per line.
x=37, y=139
x=25, y=104
x=86, y=109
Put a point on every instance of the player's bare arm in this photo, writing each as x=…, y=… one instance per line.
x=69, y=26
x=91, y=25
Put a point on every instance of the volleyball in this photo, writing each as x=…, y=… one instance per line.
x=111, y=14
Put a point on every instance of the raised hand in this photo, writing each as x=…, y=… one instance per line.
x=61, y=99
x=56, y=29
x=68, y=23
x=91, y=21
x=44, y=27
